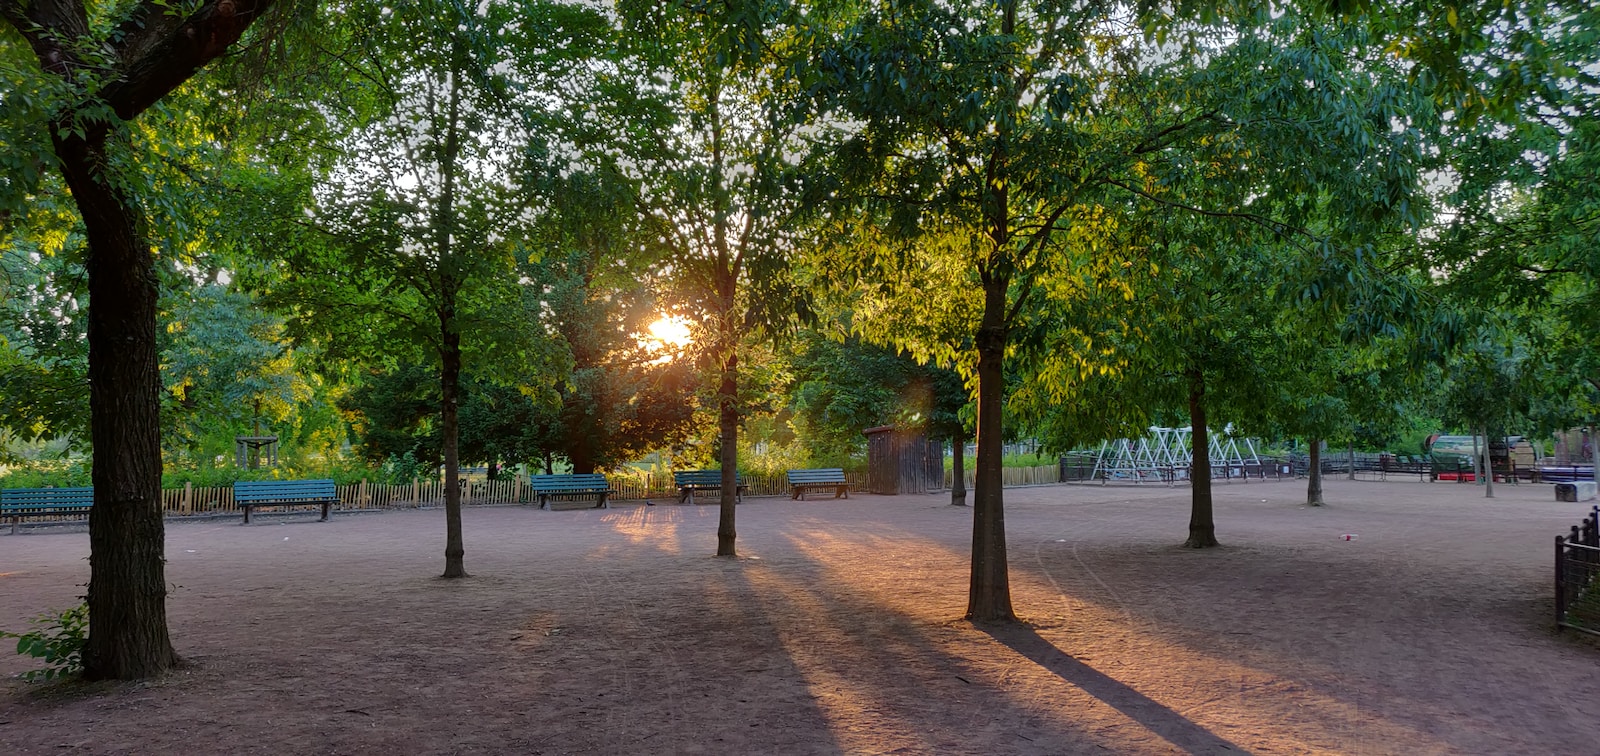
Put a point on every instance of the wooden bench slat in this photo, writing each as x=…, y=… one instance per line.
x=578, y=484
x=249, y=494
x=689, y=481
x=801, y=481
x=18, y=503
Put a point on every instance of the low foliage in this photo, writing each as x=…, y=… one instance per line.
x=58, y=642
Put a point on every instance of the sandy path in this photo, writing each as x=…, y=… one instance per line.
x=837, y=632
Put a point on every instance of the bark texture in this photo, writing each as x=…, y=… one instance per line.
x=128, y=636
x=1202, y=524
x=455, y=549
x=150, y=53
x=989, y=594
x=728, y=419
x=450, y=283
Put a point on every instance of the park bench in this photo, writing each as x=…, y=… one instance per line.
x=689, y=481
x=249, y=494
x=18, y=503
x=801, y=481
x=546, y=486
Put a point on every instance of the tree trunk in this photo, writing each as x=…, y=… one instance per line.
x=728, y=409
x=1488, y=464
x=1314, y=475
x=989, y=594
x=958, y=465
x=1477, y=458
x=1202, y=525
x=450, y=427
x=581, y=453
x=1350, y=461
x=450, y=334
x=127, y=592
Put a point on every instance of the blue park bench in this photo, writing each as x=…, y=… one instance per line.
x=590, y=484
x=249, y=494
x=801, y=481
x=690, y=481
x=18, y=503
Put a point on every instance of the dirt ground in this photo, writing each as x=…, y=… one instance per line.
x=838, y=631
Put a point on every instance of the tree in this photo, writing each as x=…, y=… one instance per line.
x=225, y=366
x=843, y=387
x=708, y=124
x=1006, y=148
x=420, y=219
x=100, y=72
x=627, y=391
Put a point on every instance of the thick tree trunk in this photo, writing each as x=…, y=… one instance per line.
x=450, y=427
x=128, y=635
x=1314, y=475
x=989, y=594
x=728, y=410
x=1350, y=461
x=1202, y=525
x=958, y=466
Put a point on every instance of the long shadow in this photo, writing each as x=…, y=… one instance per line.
x=1170, y=725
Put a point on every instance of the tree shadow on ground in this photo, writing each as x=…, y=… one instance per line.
x=1170, y=725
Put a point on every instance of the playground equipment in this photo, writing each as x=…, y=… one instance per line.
x=1165, y=455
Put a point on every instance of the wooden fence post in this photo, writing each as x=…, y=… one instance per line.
x=188, y=497
x=361, y=494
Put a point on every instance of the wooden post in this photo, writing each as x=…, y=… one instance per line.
x=188, y=497
x=361, y=494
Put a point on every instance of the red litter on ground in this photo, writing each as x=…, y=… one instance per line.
x=1348, y=537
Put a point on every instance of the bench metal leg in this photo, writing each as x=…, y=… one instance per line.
x=246, y=515
x=544, y=501
x=602, y=504
x=325, y=507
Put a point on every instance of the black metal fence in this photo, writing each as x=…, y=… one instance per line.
x=1578, y=576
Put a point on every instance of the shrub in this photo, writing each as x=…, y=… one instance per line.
x=58, y=642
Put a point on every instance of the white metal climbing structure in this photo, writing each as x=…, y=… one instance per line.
x=1165, y=455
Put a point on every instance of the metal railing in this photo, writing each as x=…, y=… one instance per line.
x=1578, y=576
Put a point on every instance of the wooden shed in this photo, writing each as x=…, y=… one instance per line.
x=901, y=461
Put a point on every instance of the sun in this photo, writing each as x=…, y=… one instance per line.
x=670, y=332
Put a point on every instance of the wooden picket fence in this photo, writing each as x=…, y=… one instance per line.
x=1009, y=476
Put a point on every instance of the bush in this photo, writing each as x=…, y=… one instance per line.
x=58, y=642
x=52, y=474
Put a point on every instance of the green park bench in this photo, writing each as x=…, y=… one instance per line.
x=690, y=481
x=20, y=503
x=592, y=484
x=249, y=494
x=801, y=481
